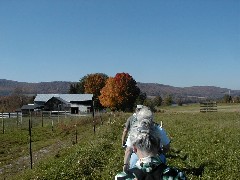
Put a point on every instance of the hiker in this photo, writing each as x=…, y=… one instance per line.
x=130, y=156
x=129, y=123
x=145, y=138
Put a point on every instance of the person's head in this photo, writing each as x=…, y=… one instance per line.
x=144, y=135
x=138, y=108
x=145, y=113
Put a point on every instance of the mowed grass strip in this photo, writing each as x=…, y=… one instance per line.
x=14, y=146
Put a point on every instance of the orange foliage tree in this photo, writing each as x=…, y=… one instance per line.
x=119, y=92
x=93, y=84
x=108, y=97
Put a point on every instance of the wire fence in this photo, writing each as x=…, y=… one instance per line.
x=40, y=127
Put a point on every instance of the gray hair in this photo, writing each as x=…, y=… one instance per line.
x=144, y=134
x=145, y=113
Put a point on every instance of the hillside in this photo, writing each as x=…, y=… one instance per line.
x=7, y=87
x=151, y=89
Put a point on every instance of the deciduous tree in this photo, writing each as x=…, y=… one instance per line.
x=141, y=98
x=14, y=101
x=109, y=94
x=168, y=100
x=93, y=84
x=157, y=101
x=73, y=89
x=77, y=88
x=150, y=103
x=120, y=92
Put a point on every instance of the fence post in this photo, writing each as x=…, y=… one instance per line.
x=101, y=119
x=52, y=124
x=3, y=123
x=42, y=117
x=30, y=142
x=31, y=119
x=94, y=128
x=21, y=118
x=109, y=118
x=17, y=119
x=76, y=133
x=58, y=116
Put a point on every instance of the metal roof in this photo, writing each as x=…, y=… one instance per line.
x=29, y=106
x=66, y=97
x=62, y=100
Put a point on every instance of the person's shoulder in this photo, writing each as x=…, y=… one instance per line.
x=131, y=117
x=123, y=175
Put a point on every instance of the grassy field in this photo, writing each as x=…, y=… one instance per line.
x=204, y=145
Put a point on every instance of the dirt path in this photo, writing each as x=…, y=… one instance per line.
x=24, y=162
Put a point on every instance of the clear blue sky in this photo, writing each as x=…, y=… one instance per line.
x=179, y=43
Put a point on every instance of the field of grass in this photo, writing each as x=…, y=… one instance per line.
x=221, y=107
x=204, y=145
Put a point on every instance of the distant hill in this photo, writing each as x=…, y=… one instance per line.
x=211, y=92
x=7, y=87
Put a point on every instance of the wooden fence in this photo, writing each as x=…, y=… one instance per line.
x=10, y=115
x=208, y=107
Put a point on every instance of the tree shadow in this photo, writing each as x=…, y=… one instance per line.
x=176, y=154
x=189, y=169
x=196, y=171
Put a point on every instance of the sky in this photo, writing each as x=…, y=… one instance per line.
x=178, y=43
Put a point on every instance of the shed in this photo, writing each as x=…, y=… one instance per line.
x=30, y=108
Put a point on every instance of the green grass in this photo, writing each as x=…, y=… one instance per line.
x=14, y=146
x=221, y=107
x=204, y=145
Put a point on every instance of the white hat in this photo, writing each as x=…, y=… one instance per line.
x=139, y=106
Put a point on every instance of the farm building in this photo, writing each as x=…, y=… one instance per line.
x=74, y=103
x=26, y=109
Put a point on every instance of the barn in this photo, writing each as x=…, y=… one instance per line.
x=74, y=103
x=26, y=109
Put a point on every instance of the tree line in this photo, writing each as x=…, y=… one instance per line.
x=119, y=93
x=116, y=93
x=14, y=101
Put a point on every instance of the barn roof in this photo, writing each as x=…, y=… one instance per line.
x=60, y=99
x=66, y=97
x=29, y=106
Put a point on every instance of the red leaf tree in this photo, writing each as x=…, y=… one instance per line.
x=120, y=92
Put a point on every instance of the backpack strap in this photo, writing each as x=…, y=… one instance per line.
x=138, y=173
x=156, y=174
